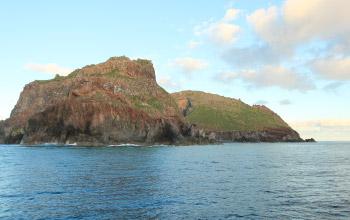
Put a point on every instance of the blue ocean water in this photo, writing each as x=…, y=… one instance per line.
x=230, y=181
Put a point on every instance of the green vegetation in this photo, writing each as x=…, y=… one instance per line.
x=144, y=62
x=150, y=105
x=155, y=103
x=58, y=78
x=55, y=79
x=113, y=74
x=98, y=96
x=73, y=74
x=224, y=114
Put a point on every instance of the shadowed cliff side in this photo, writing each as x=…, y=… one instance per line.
x=119, y=101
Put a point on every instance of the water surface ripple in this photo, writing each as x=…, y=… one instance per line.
x=230, y=181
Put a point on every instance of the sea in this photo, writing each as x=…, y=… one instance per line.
x=227, y=181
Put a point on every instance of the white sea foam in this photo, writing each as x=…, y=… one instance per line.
x=125, y=145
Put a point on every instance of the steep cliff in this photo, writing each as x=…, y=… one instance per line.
x=119, y=101
x=227, y=119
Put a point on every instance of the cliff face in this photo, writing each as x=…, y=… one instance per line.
x=119, y=101
x=227, y=119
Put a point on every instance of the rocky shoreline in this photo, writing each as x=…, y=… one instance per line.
x=112, y=103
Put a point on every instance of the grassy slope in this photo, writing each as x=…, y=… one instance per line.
x=219, y=113
x=141, y=93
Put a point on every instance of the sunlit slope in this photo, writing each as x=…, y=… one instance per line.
x=218, y=113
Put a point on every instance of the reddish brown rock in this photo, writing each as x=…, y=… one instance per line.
x=117, y=102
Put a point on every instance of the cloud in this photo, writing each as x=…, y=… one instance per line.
x=193, y=44
x=333, y=86
x=231, y=14
x=167, y=82
x=317, y=18
x=252, y=56
x=333, y=68
x=315, y=125
x=270, y=76
x=341, y=47
x=261, y=102
x=226, y=76
x=281, y=30
x=324, y=129
x=285, y=102
x=299, y=21
x=221, y=32
x=265, y=22
x=50, y=68
x=189, y=64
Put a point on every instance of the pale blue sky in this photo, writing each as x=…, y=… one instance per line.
x=263, y=52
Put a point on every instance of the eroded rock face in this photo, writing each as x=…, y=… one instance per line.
x=2, y=132
x=119, y=101
x=120, y=65
x=223, y=119
x=310, y=140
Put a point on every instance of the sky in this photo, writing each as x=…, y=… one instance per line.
x=290, y=55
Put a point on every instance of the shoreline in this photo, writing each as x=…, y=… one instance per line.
x=141, y=145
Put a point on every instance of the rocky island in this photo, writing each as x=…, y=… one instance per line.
x=119, y=101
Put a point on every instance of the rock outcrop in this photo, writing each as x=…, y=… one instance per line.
x=119, y=101
x=229, y=120
x=310, y=140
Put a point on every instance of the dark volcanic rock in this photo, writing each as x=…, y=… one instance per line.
x=310, y=140
x=2, y=132
x=115, y=102
x=119, y=101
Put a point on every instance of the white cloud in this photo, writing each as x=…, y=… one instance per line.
x=231, y=14
x=282, y=30
x=265, y=22
x=261, y=102
x=252, y=56
x=341, y=47
x=226, y=76
x=222, y=31
x=50, y=68
x=193, y=44
x=167, y=82
x=299, y=22
x=189, y=64
x=270, y=76
x=276, y=76
x=317, y=18
x=333, y=86
x=324, y=129
x=315, y=125
x=285, y=102
x=336, y=69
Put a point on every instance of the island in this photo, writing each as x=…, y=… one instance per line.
x=119, y=101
